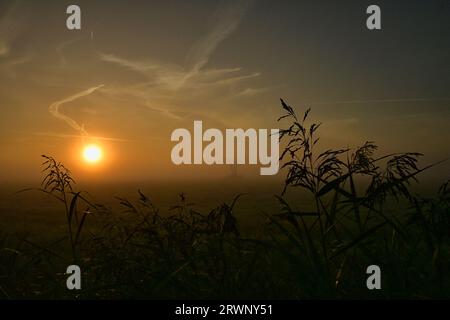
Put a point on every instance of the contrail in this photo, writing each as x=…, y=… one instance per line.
x=227, y=20
x=378, y=101
x=182, y=82
x=62, y=46
x=58, y=135
x=12, y=22
x=54, y=109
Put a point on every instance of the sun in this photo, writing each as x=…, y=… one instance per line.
x=92, y=153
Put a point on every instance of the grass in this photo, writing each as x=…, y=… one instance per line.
x=362, y=212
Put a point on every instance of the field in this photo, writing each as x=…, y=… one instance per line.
x=342, y=211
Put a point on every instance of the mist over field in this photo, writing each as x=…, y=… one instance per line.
x=116, y=158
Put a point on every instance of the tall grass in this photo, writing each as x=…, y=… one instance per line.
x=348, y=219
x=58, y=183
x=362, y=212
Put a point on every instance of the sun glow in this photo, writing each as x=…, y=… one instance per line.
x=92, y=153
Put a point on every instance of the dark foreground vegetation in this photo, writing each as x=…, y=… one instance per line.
x=362, y=212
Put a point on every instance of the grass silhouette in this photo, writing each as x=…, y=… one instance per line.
x=362, y=212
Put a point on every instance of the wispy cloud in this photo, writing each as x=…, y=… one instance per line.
x=11, y=24
x=59, y=135
x=60, y=49
x=4, y=48
x=227, y=20
x=63, y=46
x=54, y=109
x=167, y=85
x=9, y=66
x=367, y=101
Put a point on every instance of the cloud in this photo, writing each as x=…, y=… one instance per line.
x=62, y=47
x=366, y=101
x=227, y=20
x=10, y=65
x=59, y=135
x=11, y=24
x=4, y=48
x=168, y=87
x=250, y=92
x=132, y=65
x=54, y=109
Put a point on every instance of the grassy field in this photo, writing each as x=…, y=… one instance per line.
x=342, y=211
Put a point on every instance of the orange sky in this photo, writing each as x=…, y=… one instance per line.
x=137, y=71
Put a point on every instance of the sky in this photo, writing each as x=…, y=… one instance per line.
x=137, y=70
